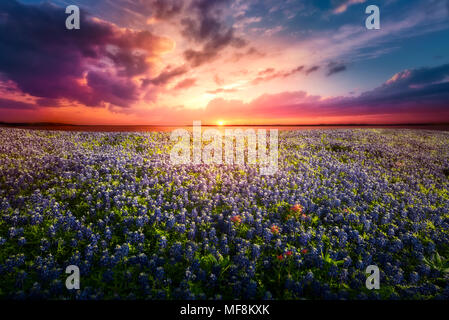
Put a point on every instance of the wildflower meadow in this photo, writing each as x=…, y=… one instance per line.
x=139, y=227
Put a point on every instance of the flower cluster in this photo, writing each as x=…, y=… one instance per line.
x=139, y=227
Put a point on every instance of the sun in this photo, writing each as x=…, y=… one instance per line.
x=220, y=123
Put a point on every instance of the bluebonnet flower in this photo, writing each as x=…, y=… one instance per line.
x=22, y=241
x=255, y=251
x=414, y=277
x=163, y=242
x=160, y=273
x=308, y=277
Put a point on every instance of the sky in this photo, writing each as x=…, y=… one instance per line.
x=170, y=62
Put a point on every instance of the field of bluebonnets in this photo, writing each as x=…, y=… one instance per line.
x=140, y=228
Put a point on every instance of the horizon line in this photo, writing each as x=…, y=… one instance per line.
x=225, y=125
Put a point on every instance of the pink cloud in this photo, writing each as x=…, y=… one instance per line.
x=344, y=6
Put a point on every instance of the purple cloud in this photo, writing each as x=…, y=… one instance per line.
x=13, y=104
x=47, y=61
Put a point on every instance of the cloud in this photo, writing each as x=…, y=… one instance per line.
x=266, y=71
x=45, y=60
x=312, y=69
x=197, y=58
x=208, y=29
x=185, y=84
x=335, y=67
x=270, y=74
x=222, y=90
x=164, y=9
x=251, y=52
x=14, y=104
x=118, y=91
x=166, y=76
x=342, y=7
x=428, y=85
x=272, y=31
x=243, y=21
x=218, y=81
x=137, y=12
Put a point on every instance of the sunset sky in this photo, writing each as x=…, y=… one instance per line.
x=239, y=62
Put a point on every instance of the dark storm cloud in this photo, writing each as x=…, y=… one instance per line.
x=48, y=61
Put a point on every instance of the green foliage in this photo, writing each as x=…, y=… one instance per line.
x=438, y=263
